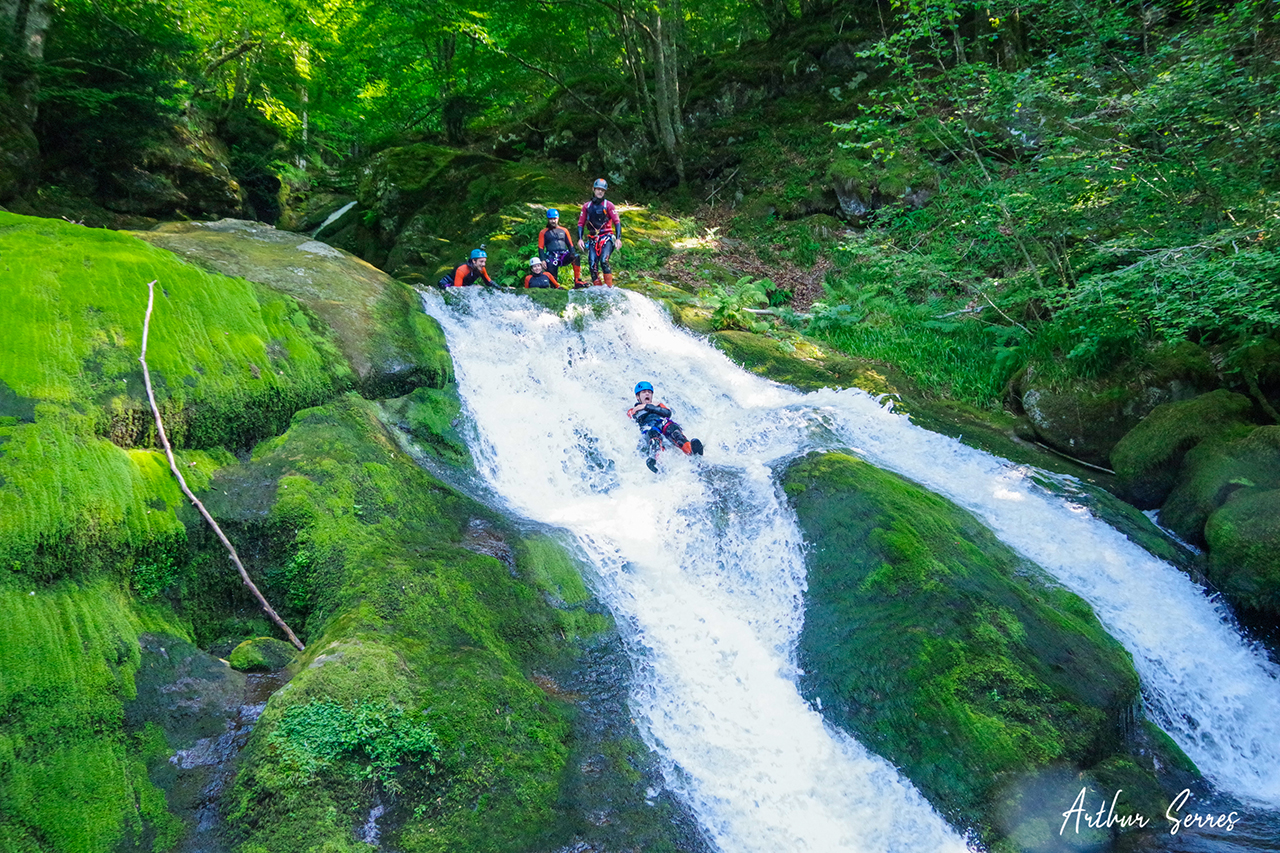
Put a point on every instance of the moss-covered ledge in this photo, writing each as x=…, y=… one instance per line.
x=943, y=651
x=439, y=640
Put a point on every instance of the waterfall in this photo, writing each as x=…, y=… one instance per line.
x=702, y=566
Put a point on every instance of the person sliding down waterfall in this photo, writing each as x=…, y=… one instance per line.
x=656, y=424
x=604, y=233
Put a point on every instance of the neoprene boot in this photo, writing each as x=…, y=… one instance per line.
x=577, y=275
x=687, y=447
x=696, y=446
x=652, y=463
x=608, y=279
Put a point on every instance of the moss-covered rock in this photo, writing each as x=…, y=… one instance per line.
x=1244, y=549
x=864, y=182
x=942, y=650
x=230, y=361
x=1147, y=459
x=261, y=654
x=378, y=322
x=1086, y=420
x=429, y=621
x=1213, y=471
x=71, y=778
x=428, y=205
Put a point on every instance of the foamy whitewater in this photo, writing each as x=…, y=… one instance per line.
x=702, y=565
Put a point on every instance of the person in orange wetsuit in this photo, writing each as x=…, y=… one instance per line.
x=604, y=232
x=539, y=277
x=654, y=420
x=555, y=247
x=472, y=272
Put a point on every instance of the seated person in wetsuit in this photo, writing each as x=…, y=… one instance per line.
x=654, y=420
x=472, y=272
x=539, y=277
x=555, y=247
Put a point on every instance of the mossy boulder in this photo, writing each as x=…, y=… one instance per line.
x=942, y=650
x=378, y=324
x=230, y=361
x=864, y=182
x=71, y=776
x=802, y=363
x=1244, y=549
x=1147, y=459
x=431, y=624
x=261, y=654
x=1213, y=472
x=1087, y=420
x=428, y=205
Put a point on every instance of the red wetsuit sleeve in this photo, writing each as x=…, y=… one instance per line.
x=460, y=275
x=526, y=279
x=542, y=239
x=554, y=283
x=485, y=273
x=614, y=219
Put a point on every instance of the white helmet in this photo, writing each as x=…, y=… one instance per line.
x=535, y=260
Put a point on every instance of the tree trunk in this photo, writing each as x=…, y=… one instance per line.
x=667, y=94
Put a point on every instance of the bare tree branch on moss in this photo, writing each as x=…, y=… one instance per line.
x=173, y=466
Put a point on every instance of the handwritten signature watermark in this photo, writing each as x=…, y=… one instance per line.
x=1105, y=817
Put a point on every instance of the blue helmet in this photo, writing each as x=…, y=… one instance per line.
x=600, y=184
x=552, y=213
x=643, y=386
x=478, y=253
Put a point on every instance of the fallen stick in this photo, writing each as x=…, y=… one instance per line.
x=173, y=466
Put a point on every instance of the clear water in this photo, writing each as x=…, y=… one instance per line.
x=702, y=565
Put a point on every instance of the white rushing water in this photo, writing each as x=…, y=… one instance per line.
x=702, y=565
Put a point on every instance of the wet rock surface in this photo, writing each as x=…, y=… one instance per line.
x=206, y=711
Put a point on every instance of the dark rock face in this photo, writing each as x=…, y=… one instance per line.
x=19, y=152
x=206, y=711
x=186, y=175
x=946, y=653
x=1149, y=456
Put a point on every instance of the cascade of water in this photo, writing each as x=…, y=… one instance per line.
x=703, y=568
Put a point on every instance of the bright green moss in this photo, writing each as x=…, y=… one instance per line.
x=69, y=778
x=1147, y=459
x=942, y=650
x=1244, y=549
x=230, y=360
x=392, y=577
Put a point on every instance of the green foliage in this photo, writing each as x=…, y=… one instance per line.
x=730, y=304
x=369, y=740
x=1104, y=207
x=112, y=82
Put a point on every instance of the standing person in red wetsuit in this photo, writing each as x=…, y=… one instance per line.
x=604, y=232
x=555, y=247
x=472, y=272
x=539, y=277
